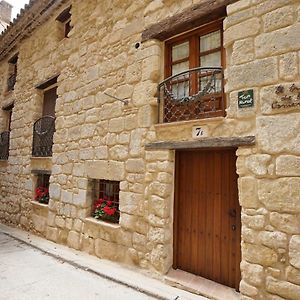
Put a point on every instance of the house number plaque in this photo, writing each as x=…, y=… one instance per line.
x=245, y=99
x=199, y=131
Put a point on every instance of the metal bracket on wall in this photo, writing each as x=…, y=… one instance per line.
x=122, y=100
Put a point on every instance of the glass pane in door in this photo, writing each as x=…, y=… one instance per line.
x=211, y=60
x=180, y=51
x=211, y=83
x=177, y=68
x=210, y=41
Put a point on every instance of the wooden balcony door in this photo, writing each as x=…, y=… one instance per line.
x=49, y=102
x=207, y=226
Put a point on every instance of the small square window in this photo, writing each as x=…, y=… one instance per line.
x=106, y=200
x=42, y=189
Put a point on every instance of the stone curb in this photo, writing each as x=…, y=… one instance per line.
x=169, y=293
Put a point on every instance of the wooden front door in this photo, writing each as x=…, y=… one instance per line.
x=207, y=226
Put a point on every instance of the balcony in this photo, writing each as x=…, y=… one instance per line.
x=190, y=95
x=11, y=81
x=4, y=145
x=43, y=130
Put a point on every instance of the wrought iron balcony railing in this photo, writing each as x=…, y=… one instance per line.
x=11, y=81
x=43, y=130
x=4, y=145
x=193, y=94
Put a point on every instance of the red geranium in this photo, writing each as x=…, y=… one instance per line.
x=42, y=194
x=109, y=210
x=109, y=203
x=105, y=210
x=98, y=203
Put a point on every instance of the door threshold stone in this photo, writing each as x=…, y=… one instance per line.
x=199, y=285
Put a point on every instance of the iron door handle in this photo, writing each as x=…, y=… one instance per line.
x=233, y=227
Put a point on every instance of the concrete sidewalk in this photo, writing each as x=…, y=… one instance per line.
x=103, y=269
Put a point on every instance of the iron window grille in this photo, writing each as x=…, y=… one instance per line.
x=4, y=145
x=43, y=131
x=106, y=200
x=192, y=94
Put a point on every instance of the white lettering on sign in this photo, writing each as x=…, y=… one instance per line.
x=199, y=132
x=246, y=101
x=245, y=97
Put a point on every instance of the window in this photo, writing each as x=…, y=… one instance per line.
x=12, y=73
x=65, y=19
x=44, y=127
x=200, y=48
x=8, y=115
x=42, y=188
x=194, y=67
x=106, y=200
x=49, y=102
x=4, y=136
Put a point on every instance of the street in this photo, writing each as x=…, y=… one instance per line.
x=27, y=273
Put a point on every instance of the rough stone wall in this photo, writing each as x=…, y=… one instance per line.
x=262, y=44
x=101, y=138
x=96, y=137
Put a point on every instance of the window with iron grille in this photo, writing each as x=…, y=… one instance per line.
x=42, y=188
x=193, y=87
x=65, y=19
x=106, y=200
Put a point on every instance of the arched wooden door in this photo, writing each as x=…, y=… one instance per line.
x=207, y=226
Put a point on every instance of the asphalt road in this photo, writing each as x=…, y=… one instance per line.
x=28, y=273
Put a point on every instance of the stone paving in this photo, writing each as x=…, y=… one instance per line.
x=27, y=273
x=34, y=268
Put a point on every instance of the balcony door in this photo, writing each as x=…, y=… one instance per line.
x=44, y=127
x=50, y=97
x=200, y=48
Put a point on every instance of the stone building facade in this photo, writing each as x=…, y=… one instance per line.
x=105, y=66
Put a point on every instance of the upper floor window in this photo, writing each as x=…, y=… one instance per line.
x=202, y=48
x=65, y=19
x=44, y=127
x=12, y=73
x=4, y=136
x=8, y=115
x=194, y=85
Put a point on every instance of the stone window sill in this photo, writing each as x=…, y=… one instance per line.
x=101, y=223
x=39, y=205
x=41, y=157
